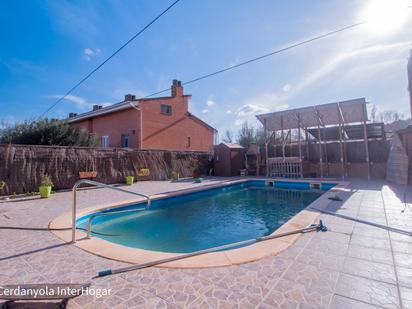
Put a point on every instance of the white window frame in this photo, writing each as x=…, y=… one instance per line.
x=105, y=141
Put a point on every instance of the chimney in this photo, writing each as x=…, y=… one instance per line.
x=410, y=81
x=96, y=107
x=71, y=115
x=177, y=89
x=130, y=97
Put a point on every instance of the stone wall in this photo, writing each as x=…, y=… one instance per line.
x=23, y=167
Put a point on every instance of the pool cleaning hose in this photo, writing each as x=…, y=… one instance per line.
x=311, y=228
x=23, y=228
x=381, y=226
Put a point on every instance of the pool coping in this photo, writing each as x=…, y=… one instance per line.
x=254, y=252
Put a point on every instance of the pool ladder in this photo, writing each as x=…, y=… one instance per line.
x=92, y=217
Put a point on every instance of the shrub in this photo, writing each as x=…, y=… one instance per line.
x=46, y=132
x=2, y=184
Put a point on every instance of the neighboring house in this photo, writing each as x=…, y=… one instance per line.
x=153, y=123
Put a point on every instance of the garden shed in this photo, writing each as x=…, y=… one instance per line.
x=229, y=159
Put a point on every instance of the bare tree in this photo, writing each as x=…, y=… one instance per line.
x=390, y=116
x=228, y=138
x=246, y=135
x=373, y=113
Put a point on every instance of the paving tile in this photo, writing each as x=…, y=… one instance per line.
x=340, y=302
x=404, y=276
x=340, y=227
x=403, y=259
x=370, y=231
x=290, y=294
x=371, y=242
x=321, y=260
x=402, y=247
x=406, y=296
x=306, y=275
x=292, y=252
x=369, y=291
x=179, y=288
x=311, y=276
x=370, y=270
x=326, y=246
x=332, y=236
x=304, y=239
x=371, y=254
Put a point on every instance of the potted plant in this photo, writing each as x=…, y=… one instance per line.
x=3, y=184
x=129, y=180
x=175, y=176
x=144, y=174
x=45, y=187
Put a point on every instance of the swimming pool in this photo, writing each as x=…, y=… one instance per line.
x=208, y=218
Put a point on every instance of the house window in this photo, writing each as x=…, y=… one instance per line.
x=188, y=142
x=105, y=141
x=165, y=109
x=125, y=140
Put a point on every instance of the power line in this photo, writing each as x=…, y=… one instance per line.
x=109, y=58
x=263, y=56
x=268, y=54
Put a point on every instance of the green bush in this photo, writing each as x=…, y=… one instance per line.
x=2, y=184
x=52, y=132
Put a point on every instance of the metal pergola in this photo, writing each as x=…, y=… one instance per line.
x=324, y=122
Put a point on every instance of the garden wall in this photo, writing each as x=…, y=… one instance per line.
x=22, y=167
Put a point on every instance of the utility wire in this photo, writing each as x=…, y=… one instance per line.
x=327, y=34
x=264, y=56
x=319, y=37
x=109, y=58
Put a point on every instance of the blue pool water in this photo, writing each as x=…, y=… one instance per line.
x=204, y=219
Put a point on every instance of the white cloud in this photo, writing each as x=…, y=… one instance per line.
x=89, y=53
x=79, y=102
x=251, y=109
x=239, y=122
x=366, y=65
x=287, y=87
x=228, y=112
x=351, y=66
x=259, y=104
x=210, y=103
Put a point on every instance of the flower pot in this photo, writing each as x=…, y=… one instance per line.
x=45, y=191
x=129, y=180
x=175, y=176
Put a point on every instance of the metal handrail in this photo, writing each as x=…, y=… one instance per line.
x=101, y=214
x=97, y=184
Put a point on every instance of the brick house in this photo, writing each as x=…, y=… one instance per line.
x=152, y=123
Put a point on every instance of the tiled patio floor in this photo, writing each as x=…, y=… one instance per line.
x=351, y=266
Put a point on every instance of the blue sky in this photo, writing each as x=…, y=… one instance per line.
x=47, y=46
